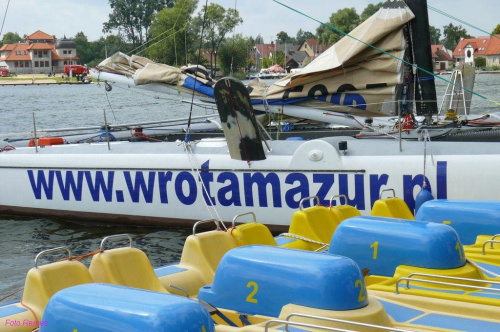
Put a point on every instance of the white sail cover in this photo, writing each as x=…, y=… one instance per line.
x=352, y=73
x=351, y=76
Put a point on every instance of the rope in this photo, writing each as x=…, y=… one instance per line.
x=7, y=148
x=109, y=103
x=483, y=269
x=203, y=189
x=172, y=28
x=387, y=53
x=34, y=315
x=9, y=295
x=427, y=138
x=4, y=16
x=81, y=257
x=196, y=72
x=303, y=238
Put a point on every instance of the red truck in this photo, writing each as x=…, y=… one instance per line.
x=77, y=70
x=4, y=71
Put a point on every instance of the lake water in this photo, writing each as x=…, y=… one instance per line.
x=21, y=238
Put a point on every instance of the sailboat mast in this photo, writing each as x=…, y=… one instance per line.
x=425, y=92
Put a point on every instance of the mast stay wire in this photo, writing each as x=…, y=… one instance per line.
x=4, y=16
x=387, y=53
x=460, y=21
x=187, y=138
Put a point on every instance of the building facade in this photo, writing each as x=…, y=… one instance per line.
x=482, y=47
x=41, y=53
x=441, y=58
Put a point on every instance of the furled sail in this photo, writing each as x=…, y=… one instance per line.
x=351, y=73
x=351, y=76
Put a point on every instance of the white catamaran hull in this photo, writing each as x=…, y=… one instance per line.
x=154, y=183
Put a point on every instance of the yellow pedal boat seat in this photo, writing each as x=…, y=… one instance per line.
x=251, y=233
x=316, y=223
x=392, y=208
x=42, y=282
x=200, y=257
x=126, y=267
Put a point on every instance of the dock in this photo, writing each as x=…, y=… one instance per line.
x=41, y=82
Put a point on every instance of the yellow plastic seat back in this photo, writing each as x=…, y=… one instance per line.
x=252, y=233
x=343, y=212
x=127, y=267
x=393, y=208
x=46, y=280
x=316, y=223
x=204, y=251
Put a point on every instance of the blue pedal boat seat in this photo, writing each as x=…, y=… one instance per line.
x=262, y=279
x=469, y=218
x=382, y=244
x=105, y=307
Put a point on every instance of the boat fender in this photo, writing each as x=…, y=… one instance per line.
x=423, y=196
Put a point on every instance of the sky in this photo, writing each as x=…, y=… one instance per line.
x=265, y=17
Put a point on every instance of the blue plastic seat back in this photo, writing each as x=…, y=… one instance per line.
x=469, y=218
x=382, y=244
x=105, y=307
x=262, y=279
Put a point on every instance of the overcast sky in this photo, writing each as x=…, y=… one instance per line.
x=264, y=17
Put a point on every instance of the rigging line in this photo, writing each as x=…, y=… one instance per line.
x=175, y=23
x=387, y=53
x=461, y=21
x=232, y=47
x=197, y=68
x=173, y=33
x=111, y=107
x=201, y=184
x=4, y=16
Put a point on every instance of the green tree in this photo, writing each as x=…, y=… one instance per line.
x=370, y=10
x=173, y=37
x=83, y=49
x=496, y=31
x=453, y=34
x=344, y=20
x=11, y=38
x=235, y=51
x=283, y=37
x=259, y=39
x=104, y=47
x=435, y=35
x=218, y=23
x=303, y=35
x=133, y=17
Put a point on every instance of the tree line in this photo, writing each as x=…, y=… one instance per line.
x=169, y=31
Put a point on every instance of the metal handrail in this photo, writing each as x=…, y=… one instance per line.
x=494, y=237
x=204, y=222
x=114, y=237
x=286, y=323
x=442, y=283
x=179, y=289
x=335, y=320
x=393, y=193
x=453, y=278
x=306, y=199
x=48, y=251
x=338, y=196
x=491, y=247
x=243, y=214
